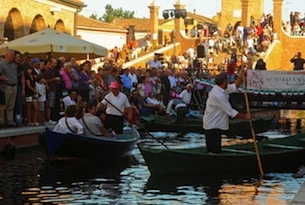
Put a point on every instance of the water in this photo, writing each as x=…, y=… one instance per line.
x=30, y=179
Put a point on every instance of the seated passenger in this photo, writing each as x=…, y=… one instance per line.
x=179, y=107
x=72, y=99
x=69, y=123
x=92, y=124
x=149, y=105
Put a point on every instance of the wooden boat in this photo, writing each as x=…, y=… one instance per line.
x=70, y=145
x=237, y=127
x=277, y=155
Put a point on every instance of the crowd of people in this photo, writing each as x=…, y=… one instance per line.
x=77, y=99
x=39, y=92
x=295, y=25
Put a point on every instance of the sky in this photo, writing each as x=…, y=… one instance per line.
x=207, y=8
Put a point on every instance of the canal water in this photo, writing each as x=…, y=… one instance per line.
x=31, y=179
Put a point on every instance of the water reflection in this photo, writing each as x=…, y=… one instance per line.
x=29, y=179
x=292, y=121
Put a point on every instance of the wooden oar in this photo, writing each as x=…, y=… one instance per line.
x=252, y=131
x=197, y=102
x=137, y=124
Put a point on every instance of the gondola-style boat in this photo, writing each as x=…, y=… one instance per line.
x=238, y=127
x=277, y=155
x=57, y=145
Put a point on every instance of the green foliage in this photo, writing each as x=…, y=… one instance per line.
x=112, y=13
x=93, y=16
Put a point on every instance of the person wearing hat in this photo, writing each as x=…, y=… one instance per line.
x=218, y=110
x=117, y=104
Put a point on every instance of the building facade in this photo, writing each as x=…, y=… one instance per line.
x=20, y=18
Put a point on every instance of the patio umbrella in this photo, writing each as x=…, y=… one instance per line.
x=49, y=42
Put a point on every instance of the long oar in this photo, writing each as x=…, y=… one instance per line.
x=137, y=124
x=197, y=102
x=252, y=132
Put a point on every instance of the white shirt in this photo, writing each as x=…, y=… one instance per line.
x=218, y=108
x=211, y=42
x=154, y=64
x=153, y=101
x=169, y=108
x=191, y=52
x=120, y=102
x=186, y=96
x=68, y=101
x=74, y=124
x=133, y=77
x=41, y=89
x=172, y=81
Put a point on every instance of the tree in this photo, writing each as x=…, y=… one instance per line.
x=93, y=16
x=112, y=13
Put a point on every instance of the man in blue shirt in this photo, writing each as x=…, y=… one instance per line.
x=126, y=81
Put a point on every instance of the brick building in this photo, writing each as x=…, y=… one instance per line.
x=20, y=18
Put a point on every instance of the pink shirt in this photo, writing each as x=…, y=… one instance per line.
x=148, y=84
x=66, y=79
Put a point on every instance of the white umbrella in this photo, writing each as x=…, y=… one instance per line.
x=55, y=43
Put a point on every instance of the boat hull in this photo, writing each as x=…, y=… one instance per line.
x=69, y=145
x=276, y=155
x=236, y=127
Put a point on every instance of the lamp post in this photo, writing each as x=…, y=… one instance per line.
x=174, y=13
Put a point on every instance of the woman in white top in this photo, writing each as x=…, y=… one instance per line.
x=69, y=123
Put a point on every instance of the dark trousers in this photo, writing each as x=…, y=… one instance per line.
x=181, y=113
x=18, y=106
x=55, y=111
x=84, y=93
x=213, y=140
x=115, y=123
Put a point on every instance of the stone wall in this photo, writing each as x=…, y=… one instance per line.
x=228, y=7
x=290, y=46
x=19, y=18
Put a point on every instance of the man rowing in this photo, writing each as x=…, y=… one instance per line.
x=218, y=110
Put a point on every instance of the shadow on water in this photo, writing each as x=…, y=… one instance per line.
x=210, y=186
x=31, y=178
x=69, y=171
x=214, y=190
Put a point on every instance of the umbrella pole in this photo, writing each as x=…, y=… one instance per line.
x=252, y=131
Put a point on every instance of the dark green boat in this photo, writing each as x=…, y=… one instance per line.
x=238, y=127
x=277, y=155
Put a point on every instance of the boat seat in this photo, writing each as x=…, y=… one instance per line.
x=283, y=146
x=240, y=151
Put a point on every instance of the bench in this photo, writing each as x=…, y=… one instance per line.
x=279, y=146
x=239, y=151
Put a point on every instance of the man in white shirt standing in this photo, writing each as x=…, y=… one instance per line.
x=116, y=104
x=172, y=79
x=133, y=76
x=218, y=110
x=154, y=63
